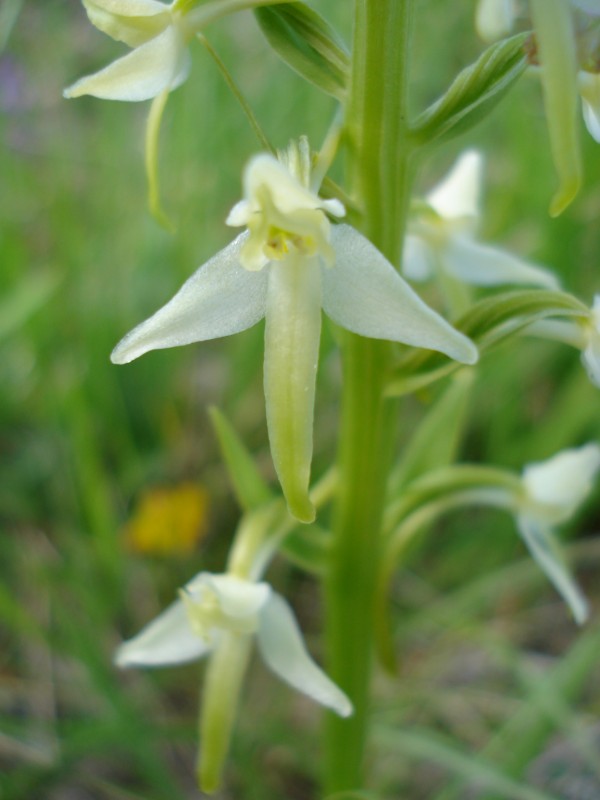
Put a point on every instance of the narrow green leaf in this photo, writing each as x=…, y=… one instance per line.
x=248, y=484
x=307, y=546
x=473, y=767
x=437, y=438
x=474, y=92
x=489, y=322
x=25, y=299
x=307, y=44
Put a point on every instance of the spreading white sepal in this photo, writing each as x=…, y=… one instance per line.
x=545, y=549
x=159, y=64
x=214, y=608
x=483, y=265
x=221, y=298
x=165, y=641
x=363, y=293
x=283, y=650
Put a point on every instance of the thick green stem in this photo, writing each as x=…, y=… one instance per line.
x=380, y=178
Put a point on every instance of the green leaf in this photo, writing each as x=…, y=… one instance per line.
x=489, y=322
x=474, y=92
x=308, y=44
x=307, y=546
x=248, y=484
x=425, y=745
x=438, y=436
x=25, y=299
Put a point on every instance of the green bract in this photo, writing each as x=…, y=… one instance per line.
x=289, y=264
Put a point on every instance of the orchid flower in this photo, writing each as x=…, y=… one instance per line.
x=562, y=79
x=442, y=237
x=159, y=61
x=219, y=616
x=290, y=263
x=552, y=491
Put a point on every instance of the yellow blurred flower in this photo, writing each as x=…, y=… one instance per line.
x=168, y=520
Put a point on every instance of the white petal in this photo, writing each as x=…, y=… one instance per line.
x=589, y=89
x=219, y=299
x=239, y=214
x=283, y=650
x=494, y=18
x=483, y=265
x=286, y=192
x=458, y=195
x=292, y=333
x=168, y=639
x=237, y=597
x=417, y=259
x=546, y=550
x=131, y=22
x=162, y=63
x=591, y=351
x=363, y=293
x=563, y=481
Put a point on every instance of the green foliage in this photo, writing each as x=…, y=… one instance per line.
x=307, y=43
x=474, y=92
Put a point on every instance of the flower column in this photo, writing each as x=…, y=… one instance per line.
x=379, y=174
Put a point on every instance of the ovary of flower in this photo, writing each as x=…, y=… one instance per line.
x=442, y=238
x=290, y=263
x=552, y=491
x=213, y=606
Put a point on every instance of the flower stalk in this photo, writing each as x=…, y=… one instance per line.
x=380, y=176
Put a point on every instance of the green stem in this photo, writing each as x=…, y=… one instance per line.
x=380, y=175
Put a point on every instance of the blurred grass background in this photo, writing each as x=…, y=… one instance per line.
x=498, y=694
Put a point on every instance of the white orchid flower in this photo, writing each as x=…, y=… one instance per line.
x=219, y=616
x=290, y=263
x=442, y=238
x=552, y=491
x=160, y=59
